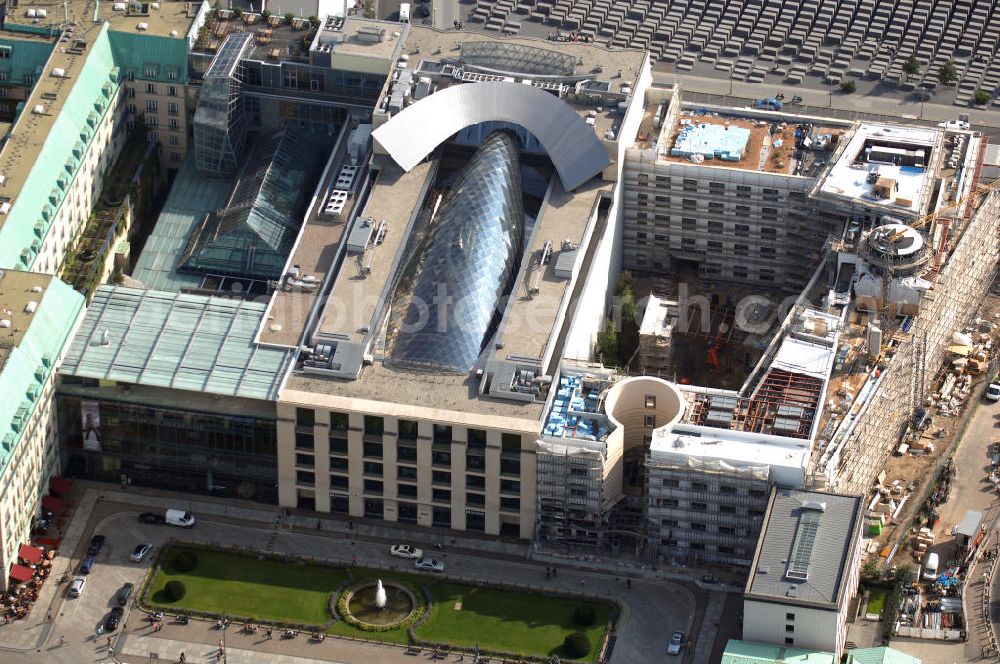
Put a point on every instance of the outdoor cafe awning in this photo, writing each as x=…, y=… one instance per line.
x=30, y=554
x=20, y=573
x=53, y=504
x=59, y=485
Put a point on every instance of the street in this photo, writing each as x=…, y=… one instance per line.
x=651, y=609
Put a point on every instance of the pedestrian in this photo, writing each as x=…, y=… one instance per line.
x=109, y=641
x=48, y=617
x=354, y=559
x=62, y=640
x=268, y=633
x=183, y=657
x=111, y=651
x=628, y=583
x=319, y=525
x=553, y=570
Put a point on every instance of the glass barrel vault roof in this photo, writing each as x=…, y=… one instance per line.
x=447, y=293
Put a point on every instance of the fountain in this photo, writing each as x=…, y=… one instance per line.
x=378, y=603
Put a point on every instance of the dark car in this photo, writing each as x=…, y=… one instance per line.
x=124, y=594
x=115, y=617
x=149, y=517
x=96, y=542
x=87, y=564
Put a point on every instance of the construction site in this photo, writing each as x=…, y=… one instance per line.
x=821, y=329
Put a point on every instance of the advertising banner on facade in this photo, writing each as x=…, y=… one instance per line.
x=90, y=413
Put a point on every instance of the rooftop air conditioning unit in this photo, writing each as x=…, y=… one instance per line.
x=38, y=109
x=59, y=72
x=142, y=26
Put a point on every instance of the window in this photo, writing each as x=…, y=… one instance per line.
x=440, y=477
x=339, y=463
x=510, y=504
x=649, y=421
x=510, y=466
x=475, y=499
x=742, y=230
x=699, y=486
x=305, y=417
x=727, y=509
x=407, y=490
x=767, y=251
x=406, y=473
x=338, y=445
x=715, y=226
x=689, y=224
x=374, y=425
x=789, y=617
x=477, y=438
x=172, y=108
x=4, y=75
x=650, y=401
x=175, y=157
x=372, y=468
x=152, y=121
x=441, y=495
x=670, y=481
x=699, y=507
x=741, y=249
x=373, y=450
x=304, y=460
x=339, y=481
x=727, y=490
x=715, y=244
x=173, y=140
x=441, y=458
x=305, y=477
x=373, y=486
x=407, y=453
x=510, y=442
x=304, y=441
x=740, y=272
x=408, y=429
x=5, y=52
x=151, y=88
x=339, y=421
x=700, y=527
x=697, y=546
x=510, y=486
x=789, y=641
x=727, y=530
x=766, y=275
x=172, y=90
x=742, y=190
x=149, y=72
x=442, y=433
x=475, y=482
x=689, y=204
x=688, y=242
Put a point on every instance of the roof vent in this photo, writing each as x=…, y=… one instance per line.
x=814, y=505
x=59, y=72
x=38, y=109
x=105, y=338
x=5, y=207
x=36, y=289
x=793, y=591
x=142, y=26
x=31, y=307
x=173, y=33
x=4, y=322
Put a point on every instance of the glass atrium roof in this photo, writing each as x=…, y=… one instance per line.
x=254, y=233
x=447, y=293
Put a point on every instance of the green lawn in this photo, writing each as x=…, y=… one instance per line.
x=876, y=601
x=259, y=588
x=462, y=615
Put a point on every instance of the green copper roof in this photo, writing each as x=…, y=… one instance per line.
x=38, y=202
x=880, y=655
x=745, y=652
x=150, y=57
x=185, y=342
x=32, y=360
x=25, y=59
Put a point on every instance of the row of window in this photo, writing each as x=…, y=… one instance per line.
x=374, y=426
x=698, y=506
x=722, y=489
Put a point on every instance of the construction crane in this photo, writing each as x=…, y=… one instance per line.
x=931, y=216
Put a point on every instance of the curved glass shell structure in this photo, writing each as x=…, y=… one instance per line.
x=446, y=297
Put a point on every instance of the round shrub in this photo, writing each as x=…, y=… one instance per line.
x=174, y=590
x=576, y=645
x=584, y=615
x=185, y=561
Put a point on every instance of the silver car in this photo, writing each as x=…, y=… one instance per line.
x=140, y=552
x=429, y=565
x=676, y=643
x=76, y=588
x=406, y=551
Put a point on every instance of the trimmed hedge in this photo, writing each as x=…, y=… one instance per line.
x=584, y=615
x=345, y=614
x=185, y=561
x=175, y=590
x=576, y=645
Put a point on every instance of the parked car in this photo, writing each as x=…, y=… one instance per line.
x=140, y=552
x=96, y=542
x=955, y=124
x=87, y=564
x=429, y=565
x=115, y=617
x=676, y=643
x=149, y=517
x=769, y=104
x=180, y=518
x=76, y=588
x=124, y=594
x=992, y=392
x=406, y=551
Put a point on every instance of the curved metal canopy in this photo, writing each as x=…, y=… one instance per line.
x=575, y=151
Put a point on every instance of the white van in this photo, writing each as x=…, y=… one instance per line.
x=404, y=12
x=931, y=567
x=179, y=518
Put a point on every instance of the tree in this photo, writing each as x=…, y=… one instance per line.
x=237, y=12
x=175, y=590
x=982, y=97
x=869, y=571
x=314, y=21
x=848, y=86
x=576, y=645
x=288, y=17
x=948, y=73
x=584, y=615
x=607, y=342
x=266, y=14
x=911, y=67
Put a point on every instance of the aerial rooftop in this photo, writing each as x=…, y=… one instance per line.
x=886, y=165
x=805, y=548
x=20, y=295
